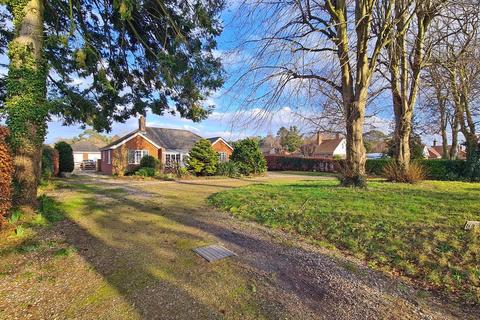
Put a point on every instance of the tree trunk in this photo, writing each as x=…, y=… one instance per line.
x=403, y=128
x=443, y=125
x=354, y=174
x=454, y=146
x=26, y=99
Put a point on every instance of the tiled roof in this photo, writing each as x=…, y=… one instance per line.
x=433, y=153
x=84, y=146
x=328, y=146
x=175, y=139
x=170, y=139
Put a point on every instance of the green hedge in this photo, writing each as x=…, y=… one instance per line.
x=66, y=156
x=436, y=169
x=284, y=163
x=47, y=161
x=375, y=167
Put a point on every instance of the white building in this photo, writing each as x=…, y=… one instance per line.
x=84, y=150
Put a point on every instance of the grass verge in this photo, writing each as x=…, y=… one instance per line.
x=413, y=230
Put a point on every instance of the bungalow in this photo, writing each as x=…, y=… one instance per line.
x=170, y=146
x=326, y=148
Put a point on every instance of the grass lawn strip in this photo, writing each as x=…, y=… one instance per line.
x=413, y=230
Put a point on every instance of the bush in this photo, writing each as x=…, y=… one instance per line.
x=6, y=175
x=65, y=153
x=248, y=158
x=47, y=161
x=444, y=169
x=228, y=169
x=202, y=159
x=395, y=173
x=120, y=161
x=375, y=167
x=146, y=172
x=472, y=167
x=149, y=162
x=282, y=163
x=437, y=169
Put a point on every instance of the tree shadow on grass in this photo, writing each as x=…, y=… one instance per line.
x=148, y=259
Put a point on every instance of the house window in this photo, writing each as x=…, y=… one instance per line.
x=222, y=157
x=172, y=159
x=109, y=156
x=135, y=156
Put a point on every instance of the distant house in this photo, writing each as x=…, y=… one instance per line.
x=436, y=151
x=84, y=150
x=325, y=147
x=270, y=145
x=170, y=146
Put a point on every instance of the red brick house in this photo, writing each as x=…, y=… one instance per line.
x=170, y=146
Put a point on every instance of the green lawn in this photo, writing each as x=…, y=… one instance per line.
x=414, y=230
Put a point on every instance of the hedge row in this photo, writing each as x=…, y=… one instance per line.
x=6, y=175
x=282, y=163
x=436, y=169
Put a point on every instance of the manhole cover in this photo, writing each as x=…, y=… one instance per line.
x=214, y=252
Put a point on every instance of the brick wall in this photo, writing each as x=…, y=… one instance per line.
x=220, y=146
x=137, y=143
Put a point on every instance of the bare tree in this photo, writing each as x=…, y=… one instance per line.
x=458, y=54
x=406, y=56
x=306, y=45
x=437, y=107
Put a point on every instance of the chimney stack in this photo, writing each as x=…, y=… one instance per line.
x=141, y=124
x=337, y=135
x=435, y=142
x=319, y=138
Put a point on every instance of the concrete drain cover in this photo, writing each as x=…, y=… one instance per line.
x=214, y=252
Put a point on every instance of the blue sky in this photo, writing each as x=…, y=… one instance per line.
x=229, y=119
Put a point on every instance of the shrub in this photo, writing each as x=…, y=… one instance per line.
x=48, y=154
x=146, y=172
x=202, y=159
x=6, y=175
x=444, y=169
x=228, y=169
x=65, y=153
x=375, y=167
x=302, y=164
x=248, y=157
x=149, y=162
x=395, y=173
x=437, y=169
x=472, y=167
x=120, y=161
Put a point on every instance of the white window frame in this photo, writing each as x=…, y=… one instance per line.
x=109, y=156
x=137, y=156
x=222, y=157
x=177, y=159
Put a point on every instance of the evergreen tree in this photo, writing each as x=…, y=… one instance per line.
x=248, y=157
x=65, y=157
x=202, y=159
x=290, y=139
